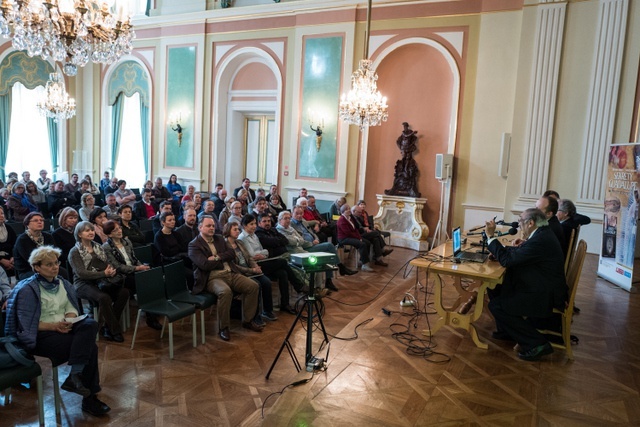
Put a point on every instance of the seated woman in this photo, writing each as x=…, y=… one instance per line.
x=98, y=281
x=36, y=315
x=20, y=203
x=246, y=265
x=98, y=217
x=93, y=188
x=174, y=188
x=243, y=198
x=120, y=255
x=7, y=242
x=223, y=218
x=35, y=193
x=236, y=212
x=63, y=236
x=275, y=207
x=168, y=242
x=191, y=191
x=26, y=242
x=129, y=228
x=87, y=205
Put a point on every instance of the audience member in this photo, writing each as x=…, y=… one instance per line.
x=372, y=235
x=124, y=196
x=129, y=228
x=348, y=234
x=5, y=290
x=97, y=281
x=243, y=199
x=112, y=187
x=245, y=264
x=87, y=205
x=104, y=182
x=189, y=230
x=26, y=177
x=160, y=191
x=236, y=212
x=276, y=205
x=63, y=236
x=19, y=203
x=43, y=182
x=32, y=238
x=98, y=217
x=36, y=316
x=219, y=201
x=35, y=193
x=7, y=242
x=212, y=258
x=191, y=191
x=168, y=242
x=165, y=206
x=223, y=218
x=174, y=188
x=246, y=185
x=72, y=186
x=260, y=193
x=145, y=208
x=59, y=199
x=334, y=210
x=111, y=207
x=273, y=191
x=93, y=189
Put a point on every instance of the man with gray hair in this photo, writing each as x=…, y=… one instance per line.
x=534, y=284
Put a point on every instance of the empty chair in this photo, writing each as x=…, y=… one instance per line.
x=11, y=377
x=152, y=299
x=144, y=254
x=176, y=287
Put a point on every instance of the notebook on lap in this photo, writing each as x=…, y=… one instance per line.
x=465, y=256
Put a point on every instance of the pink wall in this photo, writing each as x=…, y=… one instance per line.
x=418, y=83
x=255, y=76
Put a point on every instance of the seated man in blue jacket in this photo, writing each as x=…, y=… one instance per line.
x=534, y=284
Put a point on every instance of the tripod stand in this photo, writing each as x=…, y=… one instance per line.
x=311, y=302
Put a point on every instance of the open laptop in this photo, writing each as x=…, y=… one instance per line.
x=465, y=256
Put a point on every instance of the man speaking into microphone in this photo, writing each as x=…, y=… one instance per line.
x=534, y=283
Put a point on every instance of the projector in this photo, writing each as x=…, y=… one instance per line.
x=314, y=260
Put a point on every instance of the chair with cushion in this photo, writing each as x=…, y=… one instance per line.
x=176, y=288
x=573, y=277
x=151, y=299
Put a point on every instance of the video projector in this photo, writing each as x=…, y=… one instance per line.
x=315, y=260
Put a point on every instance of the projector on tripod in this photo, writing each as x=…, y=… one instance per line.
x=310, y=261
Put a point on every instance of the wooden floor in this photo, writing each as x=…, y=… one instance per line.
x=370, y=380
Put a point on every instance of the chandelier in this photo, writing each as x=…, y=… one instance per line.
x=68, y=31
x=364, y=105
x=56, y=103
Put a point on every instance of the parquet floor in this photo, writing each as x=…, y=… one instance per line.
x=370, y=380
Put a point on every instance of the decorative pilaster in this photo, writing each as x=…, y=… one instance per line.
x=603, y=97
x=402, y=217
x=542, y=99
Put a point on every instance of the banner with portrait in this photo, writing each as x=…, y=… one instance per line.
x=620, y=215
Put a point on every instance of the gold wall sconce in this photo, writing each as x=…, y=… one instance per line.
x=174, y=124
x=315, y=119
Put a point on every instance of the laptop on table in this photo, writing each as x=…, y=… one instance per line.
x=460, y=254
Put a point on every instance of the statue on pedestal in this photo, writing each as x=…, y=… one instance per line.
x=405, y=180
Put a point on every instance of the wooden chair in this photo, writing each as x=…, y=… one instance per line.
x=152, y=299
x=573, y=277
x=176, y=288
x=571, y=248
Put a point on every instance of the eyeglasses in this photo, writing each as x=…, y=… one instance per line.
x=50, y=264
x=36, y=220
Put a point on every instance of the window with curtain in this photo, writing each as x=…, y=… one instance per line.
x=28, y=130
x=130, y=161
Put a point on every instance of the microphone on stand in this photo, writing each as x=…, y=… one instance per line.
x=476, y=229
x=512, y=231
x=513, y=224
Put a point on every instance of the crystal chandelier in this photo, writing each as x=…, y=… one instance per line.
x=56, y=103
x=364, y=105
x=73, y=32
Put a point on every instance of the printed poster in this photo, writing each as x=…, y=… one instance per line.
x=620, y=215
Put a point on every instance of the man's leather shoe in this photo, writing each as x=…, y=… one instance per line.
x=252, y=326
x=94, y=406
x=536, y=353
x=106, y=333
x=224, y=334
x=328, y=284
x=344, y=271
x=380, y=262
x=154, y=324
x=386, y=251
x=502, y=336
x=73, y=384
x=117, y=337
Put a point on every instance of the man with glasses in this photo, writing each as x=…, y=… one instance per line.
x=534, y=284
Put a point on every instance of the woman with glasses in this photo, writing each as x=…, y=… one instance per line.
x=87, y=205
x=20, y=203
x=98, y=281
x=236, y=212
x=32, y=238
x=41, y=313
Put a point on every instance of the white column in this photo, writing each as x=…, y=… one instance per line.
x=542, y=99
x=603, y=97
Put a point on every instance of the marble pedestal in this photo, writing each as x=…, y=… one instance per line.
x=402, y=217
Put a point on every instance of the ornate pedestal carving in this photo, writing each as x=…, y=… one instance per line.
x=402, y=217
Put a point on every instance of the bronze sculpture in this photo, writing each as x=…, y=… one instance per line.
x=405, y=181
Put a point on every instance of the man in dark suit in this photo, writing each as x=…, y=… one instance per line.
x=246, y=184
x=215, y=272
x=145, y=208
x=534, y=284
x=549, y=206
x=59, y=199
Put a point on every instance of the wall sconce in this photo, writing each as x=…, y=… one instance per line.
x=174, y=124
x=319, y=123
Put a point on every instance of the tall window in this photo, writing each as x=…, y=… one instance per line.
x=260, y=150
x=130, y=161
x=28, y=136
